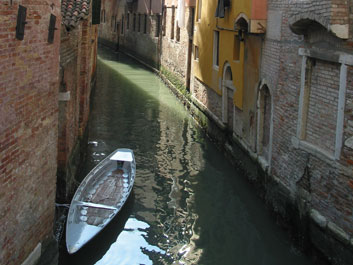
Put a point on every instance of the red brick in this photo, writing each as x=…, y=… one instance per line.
x=20, y=97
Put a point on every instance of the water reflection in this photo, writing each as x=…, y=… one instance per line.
x=130, y=246
x=190, y=205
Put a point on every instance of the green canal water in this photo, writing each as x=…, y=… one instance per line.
x=189, y=205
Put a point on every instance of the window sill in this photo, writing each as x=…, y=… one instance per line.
x=312, y=149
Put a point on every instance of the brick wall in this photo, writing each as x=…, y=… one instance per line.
x=323, y=104
x=110, y=17
x=78, y=53
x=207, y=96
x=175, y=42
x=29, y=73
x=118, y=32
x=142, y=44
x=330, y=179
x=339, y=12
x=347, y=153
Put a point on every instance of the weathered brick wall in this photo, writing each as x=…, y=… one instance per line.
x=284, y=85
x=70, y=55
x=323, y=104
x=144, y=45
x=207, y=96
x=117, y=30
x=350, y=16
x=77, y=61
x=330, y=180
x=347, y=153
x=110, y=17
x=69, y=107
x=174, y=52
x=88, y=43
x=339, y=12
x=29, y=71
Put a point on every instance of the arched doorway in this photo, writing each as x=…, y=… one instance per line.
x=228, y=90
x=264, y=122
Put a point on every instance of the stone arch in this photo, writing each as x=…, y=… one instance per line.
x=228, y=90
x=301, y=23
x=317, y=33
x=264, y=121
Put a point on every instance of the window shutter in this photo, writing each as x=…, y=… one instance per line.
x=221, y=6
x=21, y=22
x=52, y=28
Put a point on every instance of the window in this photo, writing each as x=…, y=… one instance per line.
x=199, y=9
x=196, y=53
x=112, y=22
x=236, y=48
x=158, y=26
x=139, y=23
x=115, y=24
x=320, y=90
x=177, y=33
x=172, y=23
x=122, y=26
x=128, y=21
x=192, y=21
x=103, y=16
x=96, y=12
x=216, y=48
x=134, y=23
x=145, y=24
x=164, y=21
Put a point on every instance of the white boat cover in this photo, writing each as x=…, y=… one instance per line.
x=122, y=156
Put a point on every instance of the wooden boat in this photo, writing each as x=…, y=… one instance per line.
x=99, y=198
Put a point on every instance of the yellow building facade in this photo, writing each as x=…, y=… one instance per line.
x=220, y=43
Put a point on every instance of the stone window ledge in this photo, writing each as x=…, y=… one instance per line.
x=323, y=155
x=312, y=149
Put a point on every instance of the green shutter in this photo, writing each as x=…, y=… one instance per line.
x=96, y=12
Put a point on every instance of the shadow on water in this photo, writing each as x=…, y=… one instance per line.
x=190, y=205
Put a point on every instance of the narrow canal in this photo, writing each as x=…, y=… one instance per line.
x=189, y=205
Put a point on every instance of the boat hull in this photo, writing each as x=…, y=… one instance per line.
x=99, y=198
